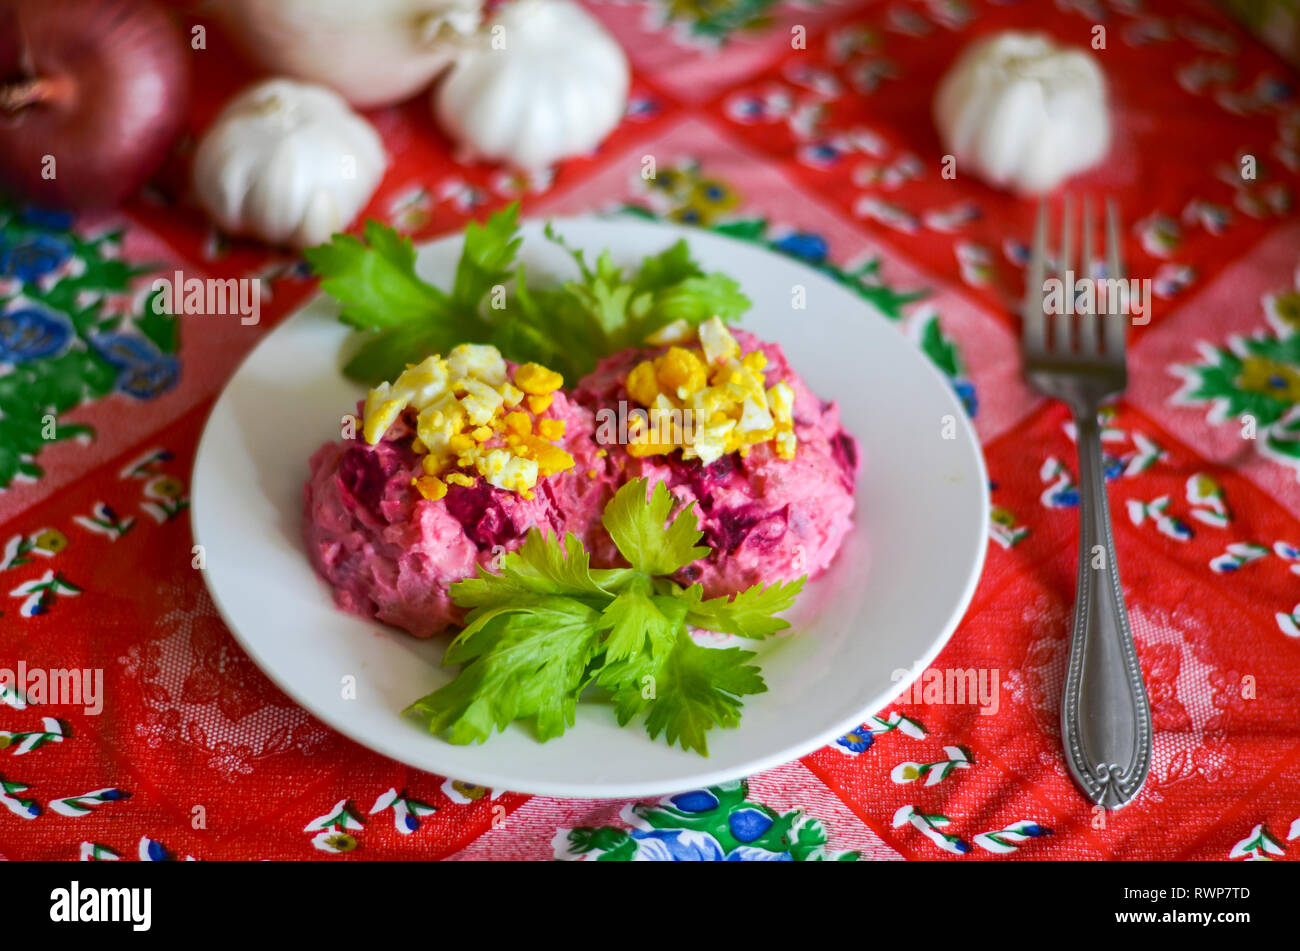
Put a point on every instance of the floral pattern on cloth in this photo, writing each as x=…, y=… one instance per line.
x=71, y=330
x=1253, y=382
x=717, y=824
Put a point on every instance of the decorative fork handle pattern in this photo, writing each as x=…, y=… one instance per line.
x=1105, y=716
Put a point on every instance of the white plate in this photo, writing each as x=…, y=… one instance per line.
x=889, y=603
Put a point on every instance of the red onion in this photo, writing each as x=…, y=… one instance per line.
x=93, y=91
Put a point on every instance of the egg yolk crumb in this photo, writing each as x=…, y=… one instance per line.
x=709, y=400
x=470, y=415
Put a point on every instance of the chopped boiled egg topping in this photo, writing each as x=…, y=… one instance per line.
x=709, y=400
x=473, y=420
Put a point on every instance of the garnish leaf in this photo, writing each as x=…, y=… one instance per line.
x=699, y=688
x=386, y=355
x=527, y=662
x=666, y=268
x=643, y=636
x=694, y=300
x=547, y=625
x=751, y=613
x=636, y=626
x=375, y=280
x=487, y=258
x=638, y=529
x=567, y=327
x=541, y=566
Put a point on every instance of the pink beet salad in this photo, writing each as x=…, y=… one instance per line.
x=771, y=508
x=460, y=457
x=392, y=524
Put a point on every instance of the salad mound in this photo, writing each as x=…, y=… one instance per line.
x=392, y=524
x=774, y=508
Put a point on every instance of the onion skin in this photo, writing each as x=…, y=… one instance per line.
x=101, y=86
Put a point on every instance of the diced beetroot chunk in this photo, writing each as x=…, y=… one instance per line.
x=477, y=509
x=364, y=472
x=732, y=527
x=844, y=449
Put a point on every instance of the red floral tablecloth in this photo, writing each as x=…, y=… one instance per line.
x=822, y=149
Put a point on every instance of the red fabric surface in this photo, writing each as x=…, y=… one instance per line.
x=209, y=760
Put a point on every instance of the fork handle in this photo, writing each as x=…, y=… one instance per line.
x=1105, y=717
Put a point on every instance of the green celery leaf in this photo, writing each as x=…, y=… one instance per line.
x=630, y=683
x=643, y=634
x=668, y=267
x=529, y=661
x=527, y=331
x=375, y=279
x=697, y=689
x=385, y=355
x=619, y=312
x=751, y=613
x=638, y=622
x=487, y=258
x=568, y=327
x=548, y=625
x=541, y=566
x=578, y=257
x=695, y=300
x=638, y=529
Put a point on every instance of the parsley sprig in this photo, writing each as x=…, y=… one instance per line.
x=566, y=326
x=548, y=626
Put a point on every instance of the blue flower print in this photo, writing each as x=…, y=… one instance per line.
x=47, y=218
x=30, y=333
x=966, y=393
x=689, y=845
x=748, y=824
x=803, y=245
x=144, y=371
x=857, y=741
x=34, y=256
x=697, y=800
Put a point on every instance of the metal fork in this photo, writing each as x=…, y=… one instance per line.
x=1105, y=717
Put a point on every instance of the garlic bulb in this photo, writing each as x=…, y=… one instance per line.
x=287, y=162
x=373, y=53
x=544, y=81
x=1023, y=113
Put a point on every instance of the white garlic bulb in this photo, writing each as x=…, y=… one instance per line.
x=287, y=162
x=544, y=81
x=1022, y=112
x=373, y=53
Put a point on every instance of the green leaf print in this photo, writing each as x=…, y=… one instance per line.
x=59, y=348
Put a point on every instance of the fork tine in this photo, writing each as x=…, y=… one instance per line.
x=1033, y=328
x=1061, y=340
x=1088, y=341
x=1116, y=316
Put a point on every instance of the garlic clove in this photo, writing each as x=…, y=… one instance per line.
x=555, y=89
x=287, y=162
x=1023, y=113
x=320, y=219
